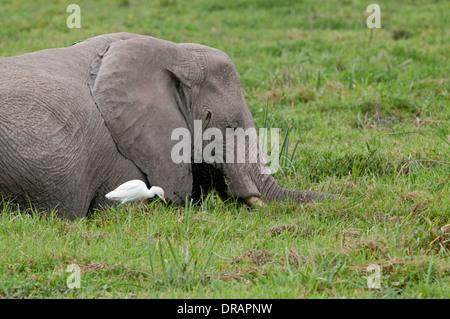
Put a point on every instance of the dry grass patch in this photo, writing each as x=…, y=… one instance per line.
x=255, y=256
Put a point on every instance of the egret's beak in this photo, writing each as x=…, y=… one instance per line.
x=164, y=200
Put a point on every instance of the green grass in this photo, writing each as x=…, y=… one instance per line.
x=344, y=91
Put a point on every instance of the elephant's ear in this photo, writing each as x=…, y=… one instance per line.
x=138, y=86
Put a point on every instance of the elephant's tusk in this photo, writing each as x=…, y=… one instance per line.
x=254, y=202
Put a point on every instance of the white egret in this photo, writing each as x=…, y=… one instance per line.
x=135, y=190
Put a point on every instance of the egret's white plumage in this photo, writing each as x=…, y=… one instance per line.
x=135, y=190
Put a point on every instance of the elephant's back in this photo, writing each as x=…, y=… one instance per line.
x=69, y=65
x=55, y=148
x=48, y=131
x=35, y=105
x=42, y=122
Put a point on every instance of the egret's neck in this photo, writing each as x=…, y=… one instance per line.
x=151, y=192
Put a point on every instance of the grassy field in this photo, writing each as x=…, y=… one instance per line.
x=369, y=109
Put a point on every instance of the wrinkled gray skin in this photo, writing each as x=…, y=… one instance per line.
x=77, y=122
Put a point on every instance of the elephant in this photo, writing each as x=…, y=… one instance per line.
x=77, y=121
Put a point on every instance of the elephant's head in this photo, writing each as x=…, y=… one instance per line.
x=146, y=88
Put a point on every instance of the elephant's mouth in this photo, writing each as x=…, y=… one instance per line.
x=209, y=178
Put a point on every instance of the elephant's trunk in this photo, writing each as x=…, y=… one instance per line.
x=271, y=191
x=253, y=183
